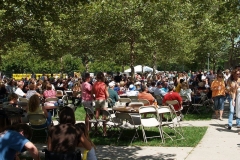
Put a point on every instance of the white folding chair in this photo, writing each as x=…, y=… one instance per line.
x=125, y=100
x=135, y=105
x=112, y=122
x=175, y=102
x=174, y=124
x=144, y=101
x=133, y=98
x=132, y=122
x=92, y=119
x=150, y=122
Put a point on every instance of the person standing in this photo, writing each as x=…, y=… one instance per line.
x=87, y=97
x=231, y=90
x=218, y=95
x=101, y=95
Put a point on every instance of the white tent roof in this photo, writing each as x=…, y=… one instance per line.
x=138, y=69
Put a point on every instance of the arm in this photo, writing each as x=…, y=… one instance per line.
x=32, y=150
x=45, y=111
x=85, y=142
x=49, y=144
x=106, y=92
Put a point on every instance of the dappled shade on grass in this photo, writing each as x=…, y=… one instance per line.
x=192, y=135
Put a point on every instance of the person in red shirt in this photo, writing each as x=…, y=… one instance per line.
x=100, y=94
x=173, y=96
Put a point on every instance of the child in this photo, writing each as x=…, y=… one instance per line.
x=91, y=155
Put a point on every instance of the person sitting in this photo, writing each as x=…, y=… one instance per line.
x=152, y=88
x=32, y=91
x=116, y=87
x=14, y=139
x=112, y=94
x=186, y=91
x=179, y=86
x=171, y=95
x=131, y=91
x=13, y=99
x=76, y=93
x=3, y=91
x=19, y=90
x=91, y=155
x=49, y=93
x=35, y=108
x=145, y=95
x=161, y=89
x=65, y=137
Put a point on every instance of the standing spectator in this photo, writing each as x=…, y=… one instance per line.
x=101, y=95
x=218, y=94
x=226, y=75
x=87, y=97
x=15, y=139
x=211, y=76
x=231, y=90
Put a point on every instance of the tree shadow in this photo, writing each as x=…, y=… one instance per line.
x=125, y=152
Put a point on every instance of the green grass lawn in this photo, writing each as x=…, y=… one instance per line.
x=191, y=138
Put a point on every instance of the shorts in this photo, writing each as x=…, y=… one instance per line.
x=101, y=104
x=88, y=104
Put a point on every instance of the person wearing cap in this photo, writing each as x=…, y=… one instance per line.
x=131, y=91
x=112, y=94
x=145, y=95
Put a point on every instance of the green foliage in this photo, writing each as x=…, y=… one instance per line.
x=111, y=34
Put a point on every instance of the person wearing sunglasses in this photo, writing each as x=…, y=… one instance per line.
x=218, y=95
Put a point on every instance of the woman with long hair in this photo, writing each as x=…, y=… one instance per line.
x=91, y=155
x=65, y=137
x=34, y=107
x=231, y=90
x=101, y=95
x=218, y=95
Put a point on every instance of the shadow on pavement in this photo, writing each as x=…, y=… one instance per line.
x=124, y=152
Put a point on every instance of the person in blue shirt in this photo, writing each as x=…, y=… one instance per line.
x=14, y=140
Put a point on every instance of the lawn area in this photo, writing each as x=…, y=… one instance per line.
x=191, y=138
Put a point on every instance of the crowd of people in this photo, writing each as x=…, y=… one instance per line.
x=95, y=92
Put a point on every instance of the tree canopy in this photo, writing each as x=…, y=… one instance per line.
x=106, y=35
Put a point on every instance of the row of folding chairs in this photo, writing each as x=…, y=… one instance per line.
x=120, y=121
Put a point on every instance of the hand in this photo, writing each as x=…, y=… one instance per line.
x=233, y=103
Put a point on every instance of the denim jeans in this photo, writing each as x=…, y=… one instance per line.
x=231, y=113
x=219, y=102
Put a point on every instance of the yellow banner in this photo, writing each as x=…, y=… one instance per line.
x=38, y=75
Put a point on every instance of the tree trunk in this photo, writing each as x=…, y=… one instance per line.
x=154, y=60
x=132, y=59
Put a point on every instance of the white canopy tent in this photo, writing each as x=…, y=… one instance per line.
x=138, y=69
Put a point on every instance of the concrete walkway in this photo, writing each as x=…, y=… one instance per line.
x=218, y=143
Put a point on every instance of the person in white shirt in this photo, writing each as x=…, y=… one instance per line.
x=226, y=75
x=19, y=90
x=131, y=91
